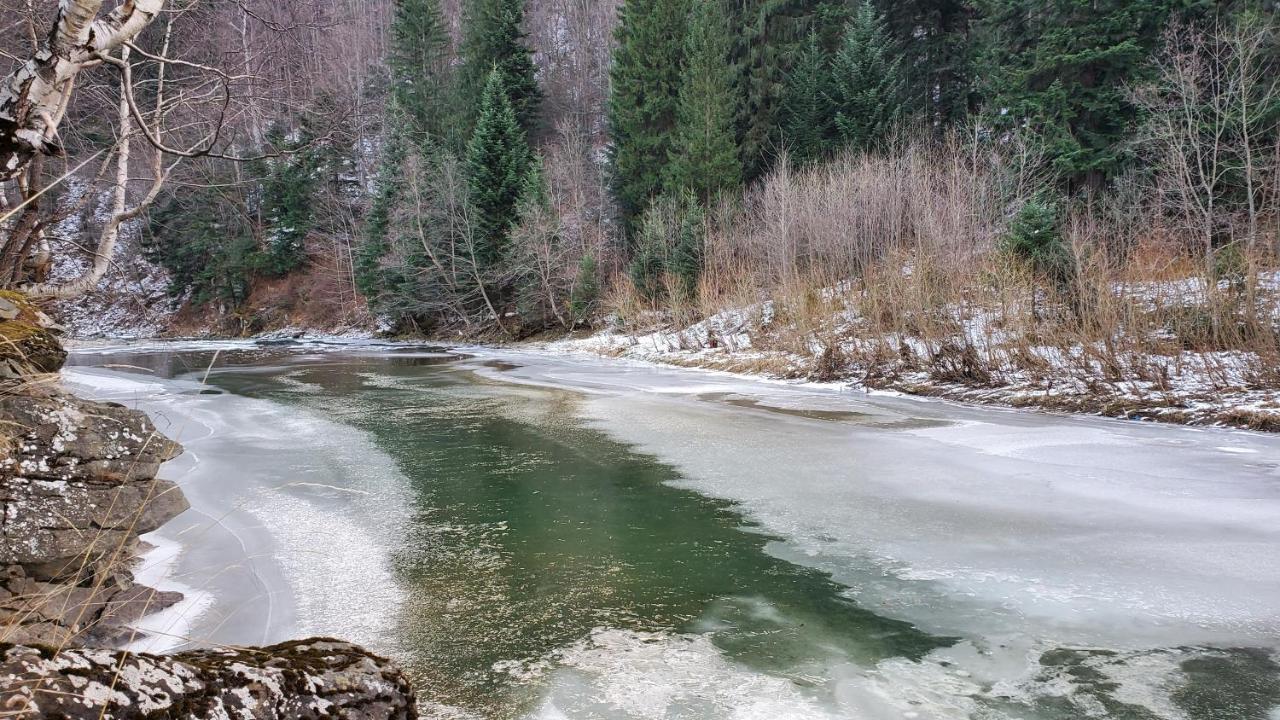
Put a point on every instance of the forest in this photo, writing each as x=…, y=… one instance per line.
x=989, y=191
x=622, y=359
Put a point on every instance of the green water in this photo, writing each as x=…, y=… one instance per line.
x=529, y=533
x=530, y=530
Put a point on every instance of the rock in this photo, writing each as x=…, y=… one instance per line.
x=78, y=480
x=78, y=485
x=28, y=340
x=305, y=679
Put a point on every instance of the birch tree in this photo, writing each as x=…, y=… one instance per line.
x=34, y=98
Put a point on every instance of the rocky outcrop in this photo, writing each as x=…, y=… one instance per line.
x=299, y=680
x=78, y=485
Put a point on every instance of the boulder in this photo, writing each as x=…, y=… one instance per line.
x=78, y=481
x=301, y=680
x=28, y=340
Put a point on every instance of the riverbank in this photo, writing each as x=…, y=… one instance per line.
x=1188, y=388
x=93, y=538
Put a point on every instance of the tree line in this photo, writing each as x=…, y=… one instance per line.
x=502, y=166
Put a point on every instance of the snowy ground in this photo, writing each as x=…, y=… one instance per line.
x=981, y=363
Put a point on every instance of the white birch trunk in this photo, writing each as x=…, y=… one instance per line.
x=33, y=97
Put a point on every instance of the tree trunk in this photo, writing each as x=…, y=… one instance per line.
x=33, y=98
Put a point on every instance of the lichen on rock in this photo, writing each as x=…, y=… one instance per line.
x=303, y=680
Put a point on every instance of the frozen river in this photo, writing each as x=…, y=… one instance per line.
x=538, y=536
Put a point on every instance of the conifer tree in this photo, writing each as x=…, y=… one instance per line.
x=1062, y=68
x=866, y=81
x=494, y=37
x=497, y=167
x=933, y=39
x=368, y=276
x=419, y=64
x=704, y=160
x=807, y=117
x=415, y=117
x=769, y=35
x=646, y=79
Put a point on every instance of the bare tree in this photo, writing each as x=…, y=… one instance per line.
x=1210, y=129
x=34, y=98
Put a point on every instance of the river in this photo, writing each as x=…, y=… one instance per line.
x=540, y=536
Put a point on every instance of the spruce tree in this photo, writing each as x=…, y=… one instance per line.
x=933, y=39
x=497, y=167
x=807, y=117
x=866, y=81
x=704, y=160
x=419, y=64
x=769, y=36
x=374, y=246
x=494, y=37
x=1062, y=69
x=646, y=79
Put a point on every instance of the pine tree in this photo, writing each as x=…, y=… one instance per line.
x=807, y=117
x=646, y=79
x=1061, y=68
x=933, y=39
x=704, y=160
x=866, y=81
x=419, y=65
x=494, y=37
x=497, y=165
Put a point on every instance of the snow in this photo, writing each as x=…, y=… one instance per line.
x=1202, y=387
x=132, y=299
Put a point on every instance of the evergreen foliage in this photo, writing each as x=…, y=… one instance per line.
x=669, y=247
x=770, y=36
x=646, y=78
x=1062, y=69
x=866, y=81
x=215, y=239
x=497, y=167
x=1035, y=239
x=494, y=37
x=807, y=117
x=207, y=251
x=374, y=247
x=419, y=62
x=933, y=38
x=585, y=296
x=704, y=159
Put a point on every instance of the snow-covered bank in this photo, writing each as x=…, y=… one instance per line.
x=983, y=365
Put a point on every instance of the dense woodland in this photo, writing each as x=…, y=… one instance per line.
x=500, y=168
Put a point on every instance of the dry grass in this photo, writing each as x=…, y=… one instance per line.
x=889, y=269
